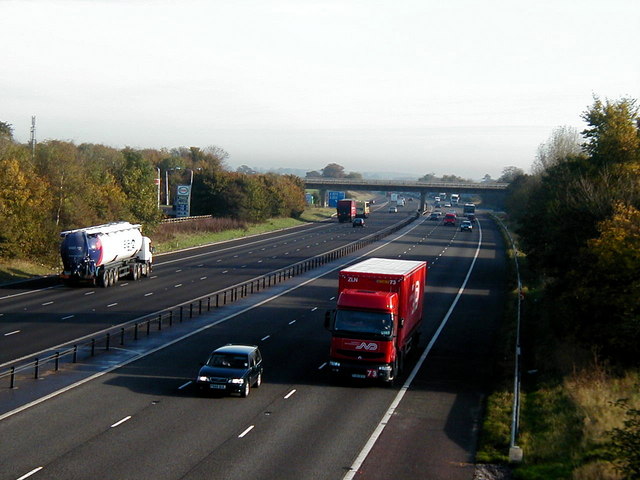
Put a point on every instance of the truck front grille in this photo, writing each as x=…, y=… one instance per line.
x=363, y=355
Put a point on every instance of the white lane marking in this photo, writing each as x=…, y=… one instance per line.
x=246, y=431
x=288, y=395
x=120, y=422
x=292, y=322
x=185, y=385
x=46, y=303
x=392, y=408
x=29, y=292
x=11, y=333
x=322, y=366
x=264, y=338
x=178, y=285
x=112, y=305
x=90, y=293
x=314, y=309
x=124, y=284
x=179, y=270
x=203, y=278
x=201, y=329
x=218, y=261
x=225, y=271
x=27, y=475
x=201, y=265
x=148, y=294
x=68, y=317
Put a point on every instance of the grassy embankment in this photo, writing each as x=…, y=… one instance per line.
x=175, y=236
x=568, y=398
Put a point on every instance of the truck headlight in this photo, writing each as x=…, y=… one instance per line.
x=385, y=368
x=334, y=363
x=239, y=381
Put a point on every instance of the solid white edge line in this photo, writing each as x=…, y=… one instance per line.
x=246, y=431
x=195, y=332
x=27, y=475
x=396, y=401
x=185, y=385
x=121, y=421
x=288, y=395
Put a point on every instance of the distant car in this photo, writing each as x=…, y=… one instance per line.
x=466, y=225
x=231, y=369
x=434, y=216
x=450, y=219
x=471, y=217
x=393, y=209
x=358, y=222
x=447, y=205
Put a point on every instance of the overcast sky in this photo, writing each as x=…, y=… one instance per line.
x=462, y=87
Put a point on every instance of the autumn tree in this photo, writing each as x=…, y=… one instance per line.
x=25, y=205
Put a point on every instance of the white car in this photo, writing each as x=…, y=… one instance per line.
x=393, y=209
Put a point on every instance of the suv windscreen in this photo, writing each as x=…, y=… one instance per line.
x=227, y=360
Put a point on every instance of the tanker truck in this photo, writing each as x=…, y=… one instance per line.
x=105, y=253
x=377, y=320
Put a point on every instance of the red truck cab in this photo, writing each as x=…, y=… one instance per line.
x=377, y=319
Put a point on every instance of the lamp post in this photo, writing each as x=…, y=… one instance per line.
x=158, y=185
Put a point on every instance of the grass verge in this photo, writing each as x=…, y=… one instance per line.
x=569, y=405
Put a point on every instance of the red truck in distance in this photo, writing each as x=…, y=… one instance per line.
x=377, y=319
x=346, y=210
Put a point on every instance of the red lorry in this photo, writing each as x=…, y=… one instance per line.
x=377, y=320
x=346, y=210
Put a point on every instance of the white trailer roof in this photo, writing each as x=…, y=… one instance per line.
x=106, y=228
x=384, y=265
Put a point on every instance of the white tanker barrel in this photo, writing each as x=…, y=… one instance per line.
x=84, y=250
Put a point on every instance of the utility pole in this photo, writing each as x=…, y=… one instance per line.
x=33, y=138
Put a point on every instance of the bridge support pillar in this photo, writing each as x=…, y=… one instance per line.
x=423, y=201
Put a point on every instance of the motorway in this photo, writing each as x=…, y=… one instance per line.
x=144, y=420
x=32, y=320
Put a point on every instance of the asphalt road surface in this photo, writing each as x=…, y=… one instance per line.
x=145, y=420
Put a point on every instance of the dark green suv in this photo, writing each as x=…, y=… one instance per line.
x=231, y=369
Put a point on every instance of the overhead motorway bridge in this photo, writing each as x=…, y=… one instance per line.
x=495, y=190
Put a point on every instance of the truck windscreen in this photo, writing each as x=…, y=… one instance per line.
x=353, y=321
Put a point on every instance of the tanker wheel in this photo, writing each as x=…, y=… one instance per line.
x=102, y=279
x=134, y=272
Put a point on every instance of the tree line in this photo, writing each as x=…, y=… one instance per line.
x=60, y=185
x=578, y=218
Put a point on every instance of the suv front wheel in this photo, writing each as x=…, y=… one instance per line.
x=245, y=390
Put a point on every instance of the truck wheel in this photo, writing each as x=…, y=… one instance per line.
x=102, y=279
